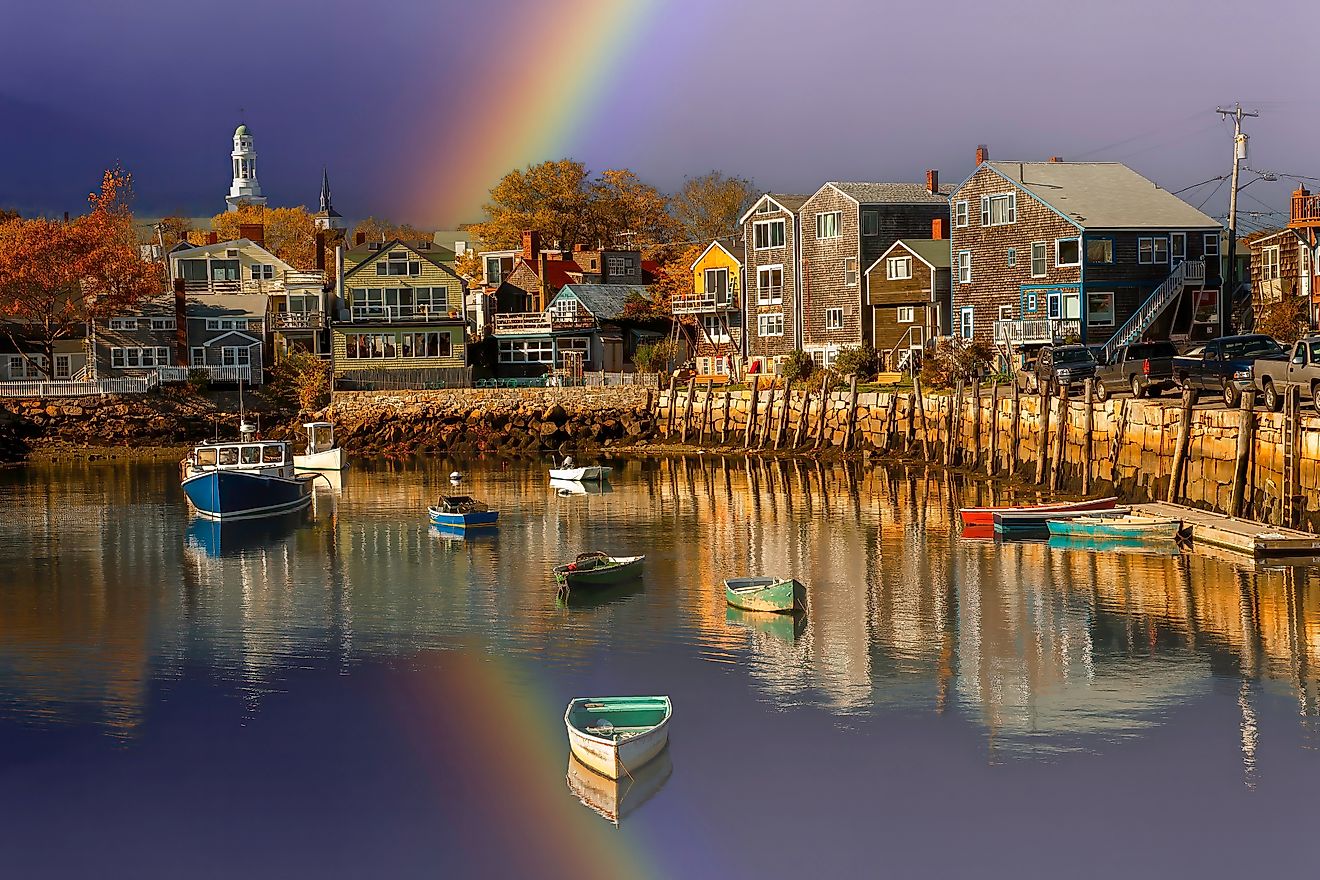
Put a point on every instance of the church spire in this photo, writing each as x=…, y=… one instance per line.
x=328, y=217
x=326, y=207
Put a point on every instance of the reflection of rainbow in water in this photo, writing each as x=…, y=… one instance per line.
x=482, y=720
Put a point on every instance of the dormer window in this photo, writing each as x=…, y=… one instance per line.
x=397, y=263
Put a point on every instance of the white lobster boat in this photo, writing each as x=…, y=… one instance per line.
x=322, y=454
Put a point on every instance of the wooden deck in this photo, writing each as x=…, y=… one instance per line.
x=1249, y=538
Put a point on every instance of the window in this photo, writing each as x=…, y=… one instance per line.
x=163, y=324
x=1067, y=252
x=1210, y=242
x=770, y=324
x=429, y=344
x=1010, y=257
x=262, y=272
x=1005, y=313
x=1269, y=264
x=397, y=263
x=850, y=271
x=192, y=270
x=27, y=368
x=63, y=366
x=827, y=224
x=769, y=285
x=1178, y=246
x=139, y=358
x=870, y=223
x=899, y=268
x=905, y=315
x=1031, y=302
x=224, y=270
x=227, y=324
x=235, y=356
x=197, y=356
x=1100, y=309
x=767, y=234
x=964, y=267
x=364, y=345
x=1099, y=251
x=123, y=324
x=715, y=329
x=1152, y=250
x=766, y=207
x=579, y=344
x=1038, y=268
x=834, y=319
x=527, y=351
x=1303, y=259
x=999, y=209
x=966, y=322
x=960, y=214
x=493, y=274
x=717, y=283
x=829, y=356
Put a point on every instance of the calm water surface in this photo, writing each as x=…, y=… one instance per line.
x=352, y=694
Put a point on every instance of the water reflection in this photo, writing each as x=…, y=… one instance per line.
x=614, y=799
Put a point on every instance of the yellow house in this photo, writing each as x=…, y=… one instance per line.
x=715, y=305
x=400, y=320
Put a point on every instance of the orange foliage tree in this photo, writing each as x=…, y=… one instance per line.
x=674, y=277
x=376, y=229
x=290, y=233
x=57, y=277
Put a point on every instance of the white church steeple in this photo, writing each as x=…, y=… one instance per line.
x=244, y=190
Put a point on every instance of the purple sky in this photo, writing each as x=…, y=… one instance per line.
x=789, y=94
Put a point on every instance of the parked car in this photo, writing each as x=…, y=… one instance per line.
x=1215, y=365
x=1144, y=368
x=1062, y=366
x=1272, y=377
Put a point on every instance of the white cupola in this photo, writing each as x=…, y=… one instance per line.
x=244, y=190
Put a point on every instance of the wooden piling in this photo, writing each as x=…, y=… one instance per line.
x=1180, y=449
x=974, y=442
x=706, y=427
x=909, y=431
x=889, y=429
x=687, y=407
x=1060, y=439
x=992, y=454
x=800, y=433
x=921, y=412
x=1292, y=458
x=768, y=423
x=824, y=406
x=1120, y=435
x=852, y=413
x=673, y=402
x=1246, y=439
x=724, y=422
x=784, y=409
x=751, y=413
x=1015, y=432
x=1088, y=439
x=1043, y=449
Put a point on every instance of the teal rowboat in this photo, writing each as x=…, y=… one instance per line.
x=765, y=593
x=595, y=571
x=615, y=736
x=1132, y=527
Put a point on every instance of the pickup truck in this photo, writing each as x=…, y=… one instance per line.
x=1215, y=365
x=1059, y=366
x=1271, y=376
x=1144, y=368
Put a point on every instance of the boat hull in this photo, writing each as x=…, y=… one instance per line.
x=600, y=578
x=592, y=474
x=329, y=460
x=230, y=495
x=470, y=520
x=765, y=594
x=985, y=516
x=1033, y=523
x=610, y=758
x=1119, y=529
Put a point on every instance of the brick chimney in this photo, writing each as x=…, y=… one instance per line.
x=320, y=251
x=1055, y=160
x=982, y=154
x=932, y=181
x=254, y=232
x=180, y=324
x=531, y=245
x=938, y=228
x=360, y=238
x=212, y=238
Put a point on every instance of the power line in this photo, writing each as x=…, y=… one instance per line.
x=1195, y=185
x=1212, y=193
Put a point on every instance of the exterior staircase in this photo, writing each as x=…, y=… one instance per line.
x=1185, y=273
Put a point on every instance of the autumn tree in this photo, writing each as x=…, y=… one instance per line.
x=553, y=198
x=674, y=277
x=6, y=216
x=468, y=266
x=709, y=206
x=173, y=230
x=56, y=277
x=376, y=229
x=627, y=213
x=290, y=233
x=1285, y=319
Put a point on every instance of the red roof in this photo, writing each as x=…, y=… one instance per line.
x=651, y=269
x=558, y=272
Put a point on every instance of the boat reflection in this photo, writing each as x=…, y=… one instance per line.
x=614, y=799
x=215, y=538
x=784, y=627
x=1138, y=546
x=598, y=598
x=460, y=535
x=574, y=487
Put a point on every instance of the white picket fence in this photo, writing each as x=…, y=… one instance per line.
x=43, y=388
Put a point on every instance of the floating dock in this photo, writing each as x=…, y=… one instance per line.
x=1257, y=540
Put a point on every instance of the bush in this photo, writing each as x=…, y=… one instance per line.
x=302, y=378
x=797, y=366
x=952, y=359
x=656, y=357
x=862, y=361
x=1285, y=320
x=199, y=381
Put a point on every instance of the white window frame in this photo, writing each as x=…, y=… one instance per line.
x=967, y=322
x=139, y=357
x=1090, y=314
x=715, y=330
x=759, y=225
x=1043, y=247
x=836, y=232
x=1006, y=312
x=1177, y=247
x=963, y=267
x=1269, y=263
x=163, y=324
x=63, y=366
x=197, y=356
x=721, y=291
x=1007, y=200
x=123, y=323
x=771, y=299
x=1210, y=244
x=770, y=324
x=961, y=214
x=1059, y=264
x=1010, y=258
x=849, y=271
x=237, y=355
x=898, y=268
x=834, y=318
x=905, y=315
x=1148, y=248
x=262, y=272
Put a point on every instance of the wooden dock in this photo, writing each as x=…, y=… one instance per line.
x=1257, y=540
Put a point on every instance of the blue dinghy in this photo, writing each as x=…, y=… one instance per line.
x=462, y=512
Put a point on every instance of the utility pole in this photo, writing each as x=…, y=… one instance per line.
x=1239, y=153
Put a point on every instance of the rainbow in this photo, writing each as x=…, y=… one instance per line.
x=543, y=82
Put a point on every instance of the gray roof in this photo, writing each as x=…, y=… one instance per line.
x=604, y=301
x=893, y=193
x=228, y=305
x=935, y=251
x=1103, y=195
x=790, y=201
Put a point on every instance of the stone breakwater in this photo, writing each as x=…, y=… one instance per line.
x=508, y=421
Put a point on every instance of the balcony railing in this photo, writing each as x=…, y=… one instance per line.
x=216, y=372
x=768, y=296
x=297, y=321
x=520, y=323
x=1037, y=331
x=293, y=280
x=1305, y=210
x=388, y=314
x=695, y=303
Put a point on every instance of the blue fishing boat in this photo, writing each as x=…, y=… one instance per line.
x=462, y=512
x=250, y=478
x=1031, y=523
x=1132, y=527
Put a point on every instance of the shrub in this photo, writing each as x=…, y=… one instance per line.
x=199, y=381
x=1285, y=320
x=862, y=361
x=952, y=359
x=302, y=378
x=656, y=357
x=797, y=366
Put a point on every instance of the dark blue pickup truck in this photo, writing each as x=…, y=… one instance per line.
x=1213, y=365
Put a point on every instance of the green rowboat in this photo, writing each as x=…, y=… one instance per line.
x=616, y=735
x=765, y=593
x=595, y=571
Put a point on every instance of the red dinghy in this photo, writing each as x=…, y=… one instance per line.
x=985, y=516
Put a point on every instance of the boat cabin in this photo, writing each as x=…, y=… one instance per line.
x=320, y=437
x=241, y=456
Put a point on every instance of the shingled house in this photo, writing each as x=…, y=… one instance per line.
x=845, y=227
x=771, y=233
x=907, y=296
x=1049, y=251
x=1281, y=265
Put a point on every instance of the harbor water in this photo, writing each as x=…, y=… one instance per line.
x=351, y=692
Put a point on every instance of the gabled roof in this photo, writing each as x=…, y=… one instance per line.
x=228, y=305
x=730, y=244
x=202, y=250
x=934, y=252
x=604, y=301
x=785, y=201
x=892, y=193
x=427, y=250
x=231, y=337
x=1102, y=195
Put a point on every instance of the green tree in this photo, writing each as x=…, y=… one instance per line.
x=862, y=361
x=302, y=378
